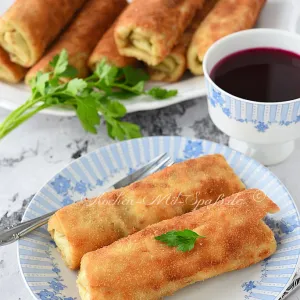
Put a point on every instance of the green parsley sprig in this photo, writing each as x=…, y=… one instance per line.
x=99, y=93
x=184, y=240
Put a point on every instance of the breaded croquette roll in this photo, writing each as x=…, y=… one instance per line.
x=107, y=49
x=30, y=26
x=82, y=36
x=172, y=68
x=9, y=71
x=140, y=267
x=228, y=16
x=148, y=30
x=91, y=224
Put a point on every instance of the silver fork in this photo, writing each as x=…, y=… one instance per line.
x=12, y=234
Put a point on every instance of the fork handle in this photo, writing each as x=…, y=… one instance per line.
x=11, y=235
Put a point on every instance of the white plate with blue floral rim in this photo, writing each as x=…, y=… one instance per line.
x=49, y=279
x=283, y=14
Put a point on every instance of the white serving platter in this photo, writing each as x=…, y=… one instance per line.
x=283, y=14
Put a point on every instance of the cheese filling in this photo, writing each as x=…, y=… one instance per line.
x=62, y=245
x=14, y=43
x=168, y=65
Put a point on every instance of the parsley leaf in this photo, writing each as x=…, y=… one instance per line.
x=138, y=88
x=123, y=95
x=121, y=130
x=54, y=61
x=87, y=113
x=106, y=72
x=60, y=62
x=184, y=240
x=134, y=75
x=161, y=94
x=132, y=131
x=69, y=72
x=61, y=67
x=96, y=94
x=76, y=85
x=116, y=109
x=41, y=81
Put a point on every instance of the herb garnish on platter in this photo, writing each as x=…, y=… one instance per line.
x=96, y=94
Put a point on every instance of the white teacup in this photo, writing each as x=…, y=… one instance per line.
x=264, y=131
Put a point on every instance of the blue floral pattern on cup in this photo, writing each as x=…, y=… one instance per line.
x=231, y=108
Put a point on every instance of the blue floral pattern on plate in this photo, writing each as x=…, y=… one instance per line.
x=61, y=184
x=280, y=228
x=87, y=177
x=56, y=285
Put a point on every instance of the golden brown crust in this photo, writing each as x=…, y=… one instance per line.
x=148, y=30
x=82, y=36
x=228, y=16
x=91, y=224
x=172, y=68
x=107, y=49
x=9, y=71
x=28, y=27
x=140, y=267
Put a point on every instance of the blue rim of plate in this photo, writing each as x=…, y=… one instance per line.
x=96, y=169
